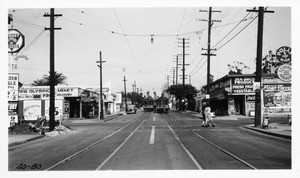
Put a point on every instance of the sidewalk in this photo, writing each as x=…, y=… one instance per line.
x=20, y=139
x=279, y=129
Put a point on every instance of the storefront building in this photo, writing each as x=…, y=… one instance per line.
x=235, y=93
x=70, y=102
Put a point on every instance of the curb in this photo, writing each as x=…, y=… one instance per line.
x=113, y=117
x=28, y=140
x=269, y=133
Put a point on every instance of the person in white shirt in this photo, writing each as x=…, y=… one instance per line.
x=208, y=115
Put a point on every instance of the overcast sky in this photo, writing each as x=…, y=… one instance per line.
x=123, y=35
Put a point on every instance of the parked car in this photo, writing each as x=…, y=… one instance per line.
x=131, y=109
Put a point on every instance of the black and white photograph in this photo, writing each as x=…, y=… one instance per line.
x=149, y=88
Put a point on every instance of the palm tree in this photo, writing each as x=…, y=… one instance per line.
x=59, y=78
x=38, y=82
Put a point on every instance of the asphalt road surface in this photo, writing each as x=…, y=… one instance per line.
x=153, y=141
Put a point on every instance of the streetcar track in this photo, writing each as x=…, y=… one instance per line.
x=214, y=145
x=88, y=147
x=117, y=149
x=182, y=145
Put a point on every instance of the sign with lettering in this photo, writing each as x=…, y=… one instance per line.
x=277, y=95
x=250, y=97
x=242, y=85
x=12, y=108
x=16, y=40
x=284, y=72
x=44, y=93
x=284, y=54
x=13, y=86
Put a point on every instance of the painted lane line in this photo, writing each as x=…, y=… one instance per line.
x=152, y=137
x=154, y=119
x=113, y=153
x=185, y=149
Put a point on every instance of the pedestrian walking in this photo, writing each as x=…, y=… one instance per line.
x=208, y=116
x=203, y=116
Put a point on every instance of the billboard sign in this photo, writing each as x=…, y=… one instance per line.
x=32, y=110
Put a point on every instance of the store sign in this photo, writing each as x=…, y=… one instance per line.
x=284, y=72
x=284, y=54
x=16, y=41
x=44, y=93
x=12, y=108
x=243, y=85
x=13, y=86
x=250, y=97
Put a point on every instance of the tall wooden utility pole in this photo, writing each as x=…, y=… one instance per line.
x=101, y=117
x=183, y=58
x=52, y=68
x=133, y=90
x=261, y=11
x=210, y=23
x=125, y=93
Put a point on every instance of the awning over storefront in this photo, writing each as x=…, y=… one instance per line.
x=218, y=94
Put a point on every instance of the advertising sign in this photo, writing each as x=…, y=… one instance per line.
x=242, y=85
x=284, y=54
x=44, y=93
x=13, y=86
x=16, y=41
x=32, y=110
x=12, y=108
x=119, y=98
x=58, y=109
x=12, y=120
x=250, y=98
x=284, y=72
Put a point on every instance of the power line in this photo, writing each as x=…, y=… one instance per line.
x=237, y=34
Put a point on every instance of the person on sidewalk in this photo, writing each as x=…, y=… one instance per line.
x=203, y=116
x=208, y=116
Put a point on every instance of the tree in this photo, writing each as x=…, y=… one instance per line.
x=182, y=91
x=59, y=78
x=38, y=82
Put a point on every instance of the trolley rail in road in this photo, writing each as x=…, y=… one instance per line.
x=209, y=142
x=95, y=143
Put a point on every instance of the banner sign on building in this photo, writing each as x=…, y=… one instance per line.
x=242, y=85
x=44, y=93
x=13, y=87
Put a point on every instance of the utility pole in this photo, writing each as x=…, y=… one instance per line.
x=258, y=106
x=210, y=23
x=183, y=58
x=101, y=98
x=52, y=15
x=177, y=69
x=173, y=76
x=133, y=90
x=125, y=94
